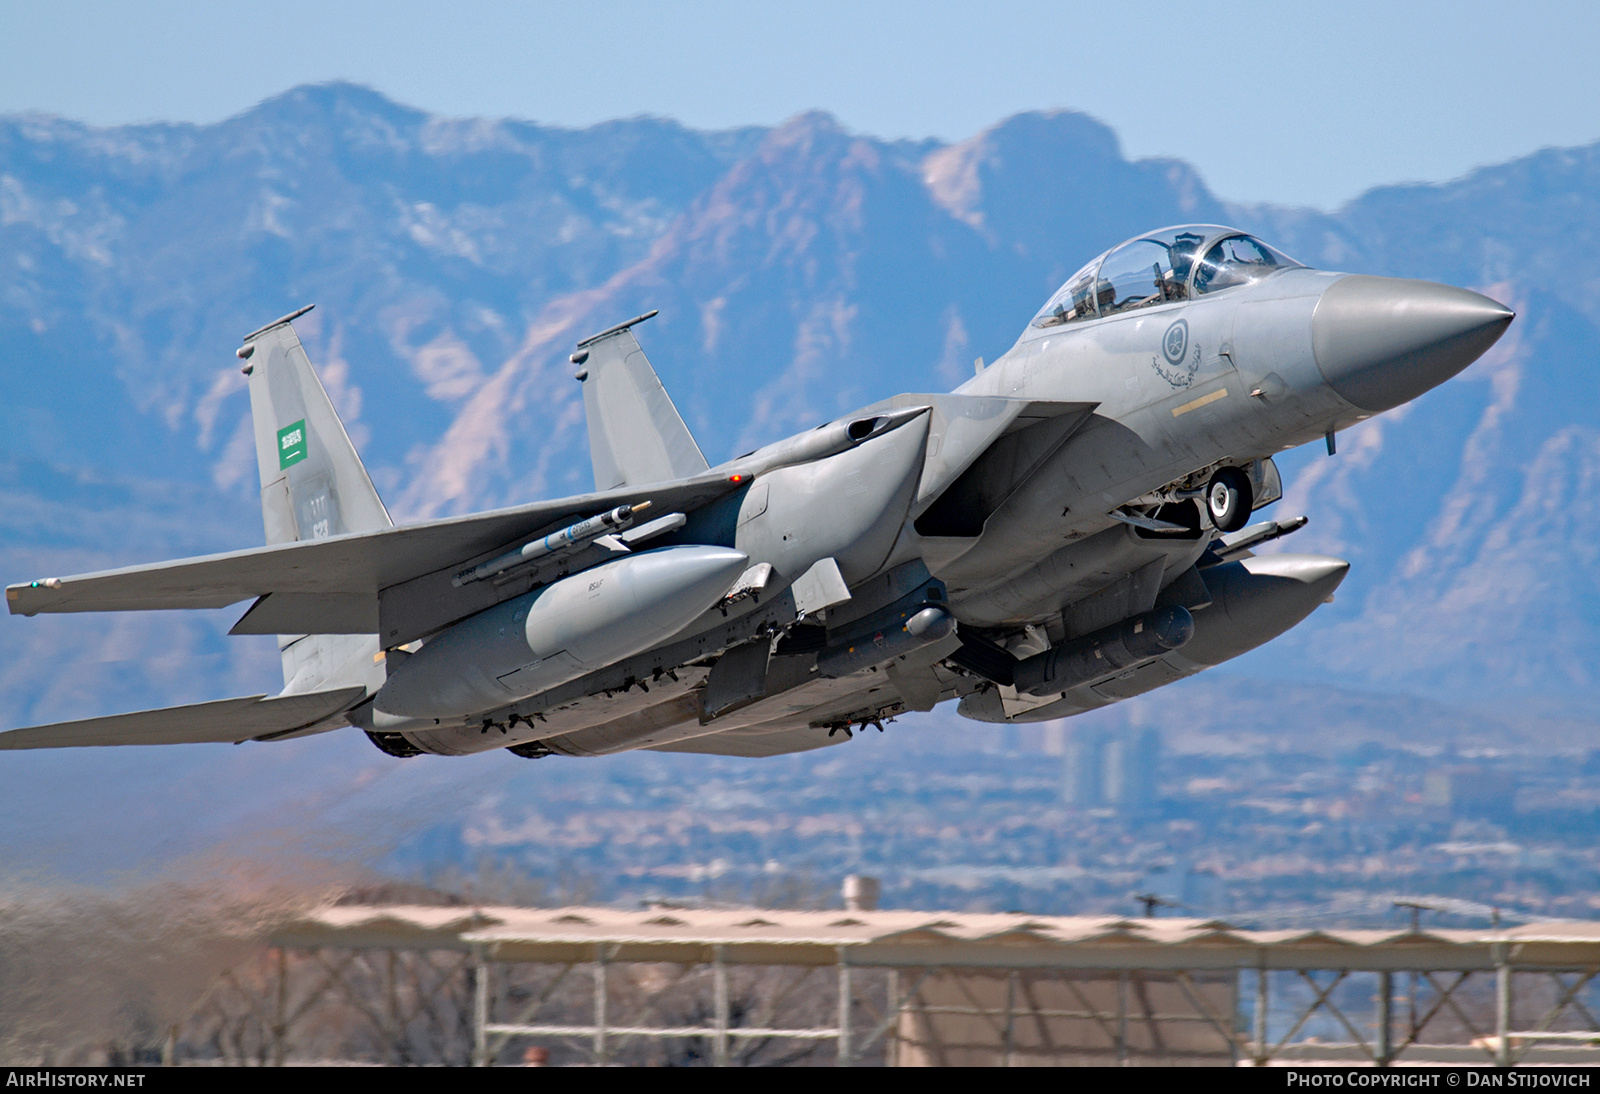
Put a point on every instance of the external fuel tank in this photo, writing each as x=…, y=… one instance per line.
x=560, y=632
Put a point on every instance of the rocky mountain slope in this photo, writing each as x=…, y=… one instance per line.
x=800, y=271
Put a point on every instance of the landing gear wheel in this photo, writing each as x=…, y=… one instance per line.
x=1229, y=499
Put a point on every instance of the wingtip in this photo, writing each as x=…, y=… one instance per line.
x=17, y=596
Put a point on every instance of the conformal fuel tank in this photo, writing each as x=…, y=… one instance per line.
x=561, y=632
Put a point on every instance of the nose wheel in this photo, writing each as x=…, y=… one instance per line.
x=1229, y=499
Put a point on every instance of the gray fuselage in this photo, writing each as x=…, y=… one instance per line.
x=1137, y=404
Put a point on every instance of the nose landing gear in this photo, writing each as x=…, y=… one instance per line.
x=1229, y=499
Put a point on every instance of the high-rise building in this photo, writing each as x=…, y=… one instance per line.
x=1083, y=769
x=1132, y=768
x=1120, y=769
x=1471, y=792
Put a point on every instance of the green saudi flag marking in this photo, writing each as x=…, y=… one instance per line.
x=292, y=443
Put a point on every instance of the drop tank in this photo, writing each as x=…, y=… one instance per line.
x=560, y=632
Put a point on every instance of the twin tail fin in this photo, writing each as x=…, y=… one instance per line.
x=313, y=485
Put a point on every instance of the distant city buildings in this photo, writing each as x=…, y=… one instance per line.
x=1471, y=792
x=1083, y=768
x=1116, y=769
x=1089, y=815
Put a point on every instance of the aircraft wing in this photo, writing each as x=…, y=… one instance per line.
x=335, y=581
x=226, y=720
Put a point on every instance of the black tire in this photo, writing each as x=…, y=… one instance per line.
x=1229, y=499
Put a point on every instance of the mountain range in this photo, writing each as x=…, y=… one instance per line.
x=800, y=271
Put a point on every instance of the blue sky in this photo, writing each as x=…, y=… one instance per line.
x=1288, y=102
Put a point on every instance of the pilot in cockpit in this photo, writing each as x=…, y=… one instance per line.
x=1238, y=260
x=1160, y=268
x=1181, y=252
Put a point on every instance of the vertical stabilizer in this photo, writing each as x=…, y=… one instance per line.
x=313, y=484
x=636, y=435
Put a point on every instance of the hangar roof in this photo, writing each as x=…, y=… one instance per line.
x=921, y=939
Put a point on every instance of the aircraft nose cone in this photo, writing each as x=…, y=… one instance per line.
x=1382, y=341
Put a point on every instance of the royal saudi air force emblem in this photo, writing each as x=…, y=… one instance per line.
x=1177, y=363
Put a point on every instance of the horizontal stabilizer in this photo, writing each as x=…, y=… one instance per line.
x=226, y=720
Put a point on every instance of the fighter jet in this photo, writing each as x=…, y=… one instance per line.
x=1067, y=529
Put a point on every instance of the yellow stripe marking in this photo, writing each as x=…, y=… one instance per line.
x=1196, y=404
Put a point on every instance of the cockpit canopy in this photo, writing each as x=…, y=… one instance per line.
x=1170, y=265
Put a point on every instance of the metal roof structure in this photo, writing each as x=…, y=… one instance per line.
x=755, y=985
x=893, y=938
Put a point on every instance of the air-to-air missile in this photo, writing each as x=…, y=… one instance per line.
x=1069, y=528
x=562, y=542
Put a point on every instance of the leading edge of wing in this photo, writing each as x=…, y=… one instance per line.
x=223, y=721
x=360, y=563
